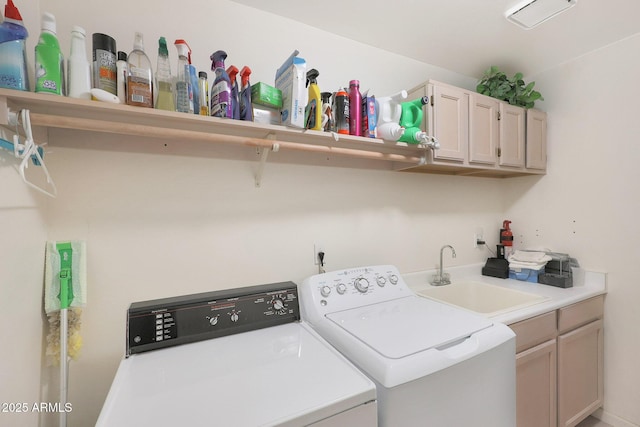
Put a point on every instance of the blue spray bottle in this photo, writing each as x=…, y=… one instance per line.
x=232, y=71
x=221, y=88
x=13, y=36
x=246, y=109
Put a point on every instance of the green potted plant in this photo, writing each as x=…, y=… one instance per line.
x=496, y=84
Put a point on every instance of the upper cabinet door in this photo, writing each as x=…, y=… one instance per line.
x=536, y=139
x=449, y=122
x=483, y=129
x=512, y=135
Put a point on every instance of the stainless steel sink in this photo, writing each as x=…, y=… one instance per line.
x=488, y=300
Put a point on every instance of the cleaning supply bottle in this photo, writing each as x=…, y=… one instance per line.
x=195, y=86
x=184, y=89
x=49, y=60
x=313, y=112
x=232, y=71
x=105, y=66
x=389, y=112
x=140, y=75
x=246, y=109
x=78, y=67
x=327, y=119
x=121, y=78
x=355, y=108
x=165, y=100
x=411, y=119
x=221, y=88
x=203, y=91
x=13, y=37
x=506, y=235
x=341, y=112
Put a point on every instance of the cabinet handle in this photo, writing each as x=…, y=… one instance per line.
x=499, y=151
x=499, y=116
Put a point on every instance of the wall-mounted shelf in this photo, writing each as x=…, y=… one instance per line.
x=52, y=111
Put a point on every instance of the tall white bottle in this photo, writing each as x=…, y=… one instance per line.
x=78, y=67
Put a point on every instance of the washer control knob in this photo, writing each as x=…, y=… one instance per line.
x=278, y=304
x=393, y=279
x=213, y=321
x=234, y=317
x=325, y=291
x=381, y=281
x=341, y=288
x=362, y=284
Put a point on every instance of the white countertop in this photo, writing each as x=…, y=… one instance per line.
x=586, y=284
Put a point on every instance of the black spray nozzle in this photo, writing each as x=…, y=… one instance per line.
x=312, y=76
x=326, y=97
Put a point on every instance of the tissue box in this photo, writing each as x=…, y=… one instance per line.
x=290, y=79
x=269, y=96
x=525, y=274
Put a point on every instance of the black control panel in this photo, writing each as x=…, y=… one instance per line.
x=179, y=320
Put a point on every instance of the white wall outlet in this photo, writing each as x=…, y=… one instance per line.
x=317, y=248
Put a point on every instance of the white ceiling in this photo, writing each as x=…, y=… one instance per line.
x=466, y=36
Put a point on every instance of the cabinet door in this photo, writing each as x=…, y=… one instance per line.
x=536, y=386
x=483, y=129
x=512, y=135
x=536, y=139
x=449, y=122
x=580, y=369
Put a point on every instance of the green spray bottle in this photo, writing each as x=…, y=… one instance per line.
x=49, y=60
x=313, y=112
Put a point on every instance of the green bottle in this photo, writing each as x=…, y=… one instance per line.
x=49, y=60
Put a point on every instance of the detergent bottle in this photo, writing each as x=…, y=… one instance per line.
x=78, y=67
x=246, y=109
x=411, y=119
x=49, y=59
x=232, y=71
x=221, y=88
x=389, y=113
x=13, y=36
x=313, y=112
x=184, y=89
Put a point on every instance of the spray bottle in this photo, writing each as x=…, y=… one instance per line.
x=246, y=109
x=165, y=99
x=232, y=71
x=78, y=67
x=411, y=119
x=49, y=59
x=313, y=112
x=327, y=119
x=184, y=90
x=139, y=75
x=13, y=36
x=221, y=88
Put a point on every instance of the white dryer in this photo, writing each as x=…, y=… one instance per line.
x=433, y=364
x=239, y=357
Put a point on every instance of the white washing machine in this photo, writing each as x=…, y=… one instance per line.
x=239, y=357
x=433, y=364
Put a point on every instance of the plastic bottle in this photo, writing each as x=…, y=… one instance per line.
x=195, y=86
x=232, y=71
x=246, y=109
x=355, y=108
x=341, y=112
x=165, y=100
x=13, y=36
x=203, y=90
x=221, y=88
x=105, y=70
x=411, y=119
x=49, y=59
x=121, y=78
x=139, y=75
x=184, y=89
x=78, y=67
x=327, y=119
x=313, y=111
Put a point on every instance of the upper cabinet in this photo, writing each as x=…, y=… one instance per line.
x=480, y=135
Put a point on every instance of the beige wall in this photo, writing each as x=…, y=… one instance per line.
x=161, y=222
x=588, y=203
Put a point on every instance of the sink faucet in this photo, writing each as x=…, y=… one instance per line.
x=442, y=278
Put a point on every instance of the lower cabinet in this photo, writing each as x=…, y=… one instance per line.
x=559, y=365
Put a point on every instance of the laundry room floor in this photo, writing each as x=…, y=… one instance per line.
x=593, y=422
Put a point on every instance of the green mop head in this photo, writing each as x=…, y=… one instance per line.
x=65, y=287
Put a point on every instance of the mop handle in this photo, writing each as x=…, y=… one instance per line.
x=66, y=296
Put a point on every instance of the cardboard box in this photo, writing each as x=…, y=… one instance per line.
x=265, y=115
x=369, y=116
x=269, y=96
x=290, y=79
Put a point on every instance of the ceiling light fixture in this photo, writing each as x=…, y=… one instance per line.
x=531, y=13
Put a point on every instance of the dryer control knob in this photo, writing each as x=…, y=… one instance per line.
x=381, y=281
x=341, y=288
x=362, y=284
x=393, y=279
x=234, y=317
x=325, y=291
x=213, y=321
